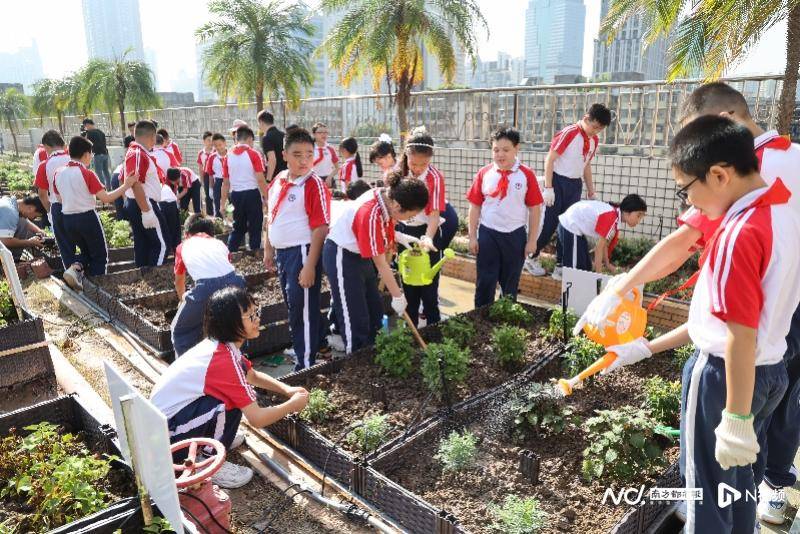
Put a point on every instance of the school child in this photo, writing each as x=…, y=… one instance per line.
x=214, y=170
x=189, y=189
x=567, y=163
x=141, y=201
x=202, y=157
x=170, y=146
x=78, y=189
x=351, y=169
x=164, y=158
x=39, y=157
x=504, y=197
x=205, y=392
x=170, y=211
x=599, y=220
x=57, y=157
x=207, y=260
x=243, y=181
x=357, y=245
x=383, y=155
x=739, y=316
x=299, y=208
x=119, y=172
x=326, y=162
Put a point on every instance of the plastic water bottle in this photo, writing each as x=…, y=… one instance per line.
x=385, y=322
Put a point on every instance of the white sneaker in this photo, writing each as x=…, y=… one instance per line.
x=232, y=476
x=289, y=352
x=771, y=504
x=336, y=343
x=237, y=441
x=556, y=273
x=533, y=266
x=74, y=278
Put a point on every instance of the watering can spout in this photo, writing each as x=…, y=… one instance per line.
x=448, y=254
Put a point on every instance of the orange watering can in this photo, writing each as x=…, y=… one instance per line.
x=625, y=324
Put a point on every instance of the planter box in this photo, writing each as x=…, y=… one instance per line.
x=30, y=366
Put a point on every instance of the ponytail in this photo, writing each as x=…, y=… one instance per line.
x=359, y=168
x=351, y=145
x=410, y=193
x=404, y=164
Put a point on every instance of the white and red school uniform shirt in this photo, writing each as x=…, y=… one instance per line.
x=592, y=218
x=777, y=157
x=575, y=149
x=188, y=177
x=364, y=227
x=47, y=171
x=750, y=275
x=214, y=164
x=202, y=157
x=203, y=257
x=434, y=179
x=210, y=368
x=297, y=207
x=39, y=157
x=173, y=149
x=325, y=158
x=140, y=163
x=76, y=186
x=168, y=193
x=505, y=196
x=240, y=167
x=164, y=159
x=348, y=173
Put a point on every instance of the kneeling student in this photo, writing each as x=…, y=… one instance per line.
x=169, y=209
x=77, y=187
x=205, y=392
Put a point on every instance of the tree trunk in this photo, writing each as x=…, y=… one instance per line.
x=402, y=97
x=122, y=124
x=14, y=137
x=787, y=99
x=60, y=122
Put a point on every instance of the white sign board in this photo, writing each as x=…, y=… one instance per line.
x=583, y=287
x=12, y=277
x=153, y=460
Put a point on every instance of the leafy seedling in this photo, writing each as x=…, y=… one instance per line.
x=395, y=351
x=459, y=329
x=663, y=399
x=318, y=407
x=369, y=433
x=457, y=451
x=518, y=516
x=509, y=344
x=507, y=311
x=539, y=410
x=454, y=365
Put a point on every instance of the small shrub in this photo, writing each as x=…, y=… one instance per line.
x=663, y=399
x=8, y=312
x=395, y=351
x=509, y=344
x=369, y=434
x=629, y=251
x=118, y=233
x=318, y=407
x=554, y=331
x=459, y=329
x=518, y=516
x=457, y=451
x=455, y=361
x=548, y=263
x=507, y=311
x=539, y=410
x=581, y=353
x=682, y=354
x=622, y=445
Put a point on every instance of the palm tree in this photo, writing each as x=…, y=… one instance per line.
x=53, y=97
x=257, y=48
x=13, y=106
x=713, y=35
x=118, y=83
x=385, y=38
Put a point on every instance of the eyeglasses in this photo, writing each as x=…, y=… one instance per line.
x=683, y=192
x=254, y=316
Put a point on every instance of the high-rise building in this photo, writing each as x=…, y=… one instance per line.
x=626, y=58
x=113, y=27
x=204, y=92
x=505, y=71
x=554, y=39
x=21, y=67
x=432, y=77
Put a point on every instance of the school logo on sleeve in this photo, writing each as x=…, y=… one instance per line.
x=291, y=197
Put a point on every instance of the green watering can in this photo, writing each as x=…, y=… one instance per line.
x=415, y=266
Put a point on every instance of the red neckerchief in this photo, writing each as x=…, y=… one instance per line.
x=321, y=155
x=502, y=184
x=586, y=141
x=240, y=149
x=284, y=192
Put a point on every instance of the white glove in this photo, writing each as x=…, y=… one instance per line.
x=405, y=239
x=737, y=444
x=549, y=196
x=426, y=244
x=149, y=219
x=600, y=308
x=399, y=304
x=627, y=354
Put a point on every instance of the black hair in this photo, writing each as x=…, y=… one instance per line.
x=599, y=113
x=78, y=146
x=197, y=223
x=223, y=317
x=712, y=140
x=266, y=117
x=87, y=120
x=144, y=127
x=351, y=145
x=357, y=188
x=173, y=173
x=713, y=99
x=292, y=127
x=131, y=124
x=159, y=139
x=380, y=149
x=317, y=126
x=206, y=135
x=53, y=139
x=420, y=142
x=512, y=134
x=410, y=193
x=36, y=202
x=218, y=137
x=244, y=133
x=127, y=140
x=297, y=135
x=163, y=133
x=631, y=203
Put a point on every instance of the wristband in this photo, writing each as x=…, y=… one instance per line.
x=737, y=416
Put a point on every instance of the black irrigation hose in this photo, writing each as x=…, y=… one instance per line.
x=330, y=451
x=276, y=515
x=208, y=510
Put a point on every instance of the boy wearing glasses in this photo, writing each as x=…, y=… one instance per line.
x=326, y=162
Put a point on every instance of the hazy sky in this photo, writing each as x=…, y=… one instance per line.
x=168, y=26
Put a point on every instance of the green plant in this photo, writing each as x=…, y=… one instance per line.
x=158, y=526
x=518, y=516
x=622, y=444
x=395, y=351
x=630, y=250
x=8, y=312
x=457, y=451
x=554, y=331
x=663, y=399
x=369, y=433
x=118, y=233
x=459, y=329
x=580, y=354
x=548, y=263
x=540, y=410
x=509, y=344
x=318, y=407
x=682, y=354
x=454, y=361
x=507, y=311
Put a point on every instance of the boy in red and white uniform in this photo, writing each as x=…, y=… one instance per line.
x=244, y=182
x=202, y=157
x=299, y=214
x=57, y=157
x=164, y=158
x=39, y=157
x=326, y=162
x=78, y=190
x=214, y=170
x=189, y=189
x=170, y=146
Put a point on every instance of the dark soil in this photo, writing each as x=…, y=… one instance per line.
x=572, y=504
x=152, y=281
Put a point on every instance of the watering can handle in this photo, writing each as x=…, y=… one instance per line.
x=637, y=296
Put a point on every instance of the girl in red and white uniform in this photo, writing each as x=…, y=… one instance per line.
x=383, y=155
x=326, y=162
x=351, y=169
